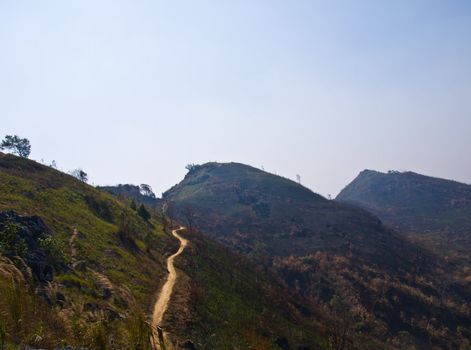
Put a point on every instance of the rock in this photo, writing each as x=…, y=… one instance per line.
x=32, y=229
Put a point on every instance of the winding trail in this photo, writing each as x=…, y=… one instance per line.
x=164, y=297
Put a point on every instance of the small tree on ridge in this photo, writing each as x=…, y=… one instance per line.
x=17, y=145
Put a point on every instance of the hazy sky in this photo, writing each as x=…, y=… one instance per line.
x=132, y=91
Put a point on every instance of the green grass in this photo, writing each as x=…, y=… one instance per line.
x=136, y=271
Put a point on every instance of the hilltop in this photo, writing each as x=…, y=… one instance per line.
x=411, y=201
x=433, y=211
x=330, y=253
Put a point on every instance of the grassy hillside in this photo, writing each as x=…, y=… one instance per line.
x=112, y=260
x=376, y=286
x=79, y=267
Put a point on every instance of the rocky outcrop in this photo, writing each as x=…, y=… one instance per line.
x=23, y=237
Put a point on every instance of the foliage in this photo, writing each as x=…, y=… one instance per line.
x=10, y=241
x=53, y=247
x=17, y=145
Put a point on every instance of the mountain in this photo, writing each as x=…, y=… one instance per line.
x=411, y=201
x=432, y=210
x=358, y=274
x=79, y=267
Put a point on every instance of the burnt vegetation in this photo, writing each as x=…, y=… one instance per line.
x=380, y=289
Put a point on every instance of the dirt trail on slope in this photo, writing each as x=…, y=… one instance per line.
x=72, y=245
x=162, y=302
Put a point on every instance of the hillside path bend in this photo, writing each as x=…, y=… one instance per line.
x=164, y=297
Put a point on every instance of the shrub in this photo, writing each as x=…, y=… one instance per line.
x=10, y=241
x=53, y=247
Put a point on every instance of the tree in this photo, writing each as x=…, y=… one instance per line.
x=133, y=205
x=79, y=174
x=298, y=178
x=146, y=190
x=143, y=212
x=17, y=145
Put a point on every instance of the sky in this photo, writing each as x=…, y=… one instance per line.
x=132, y=91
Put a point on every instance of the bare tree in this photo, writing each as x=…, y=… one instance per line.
x=298, y=178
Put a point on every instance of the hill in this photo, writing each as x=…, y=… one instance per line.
x=435, y=211
x=382, y=288
x=131, y=192
x=411, y=201
x=79, y=267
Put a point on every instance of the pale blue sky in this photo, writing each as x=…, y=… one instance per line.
x=132, y=91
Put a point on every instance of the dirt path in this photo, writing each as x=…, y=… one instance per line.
x=72, y=245
x=162, y=302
